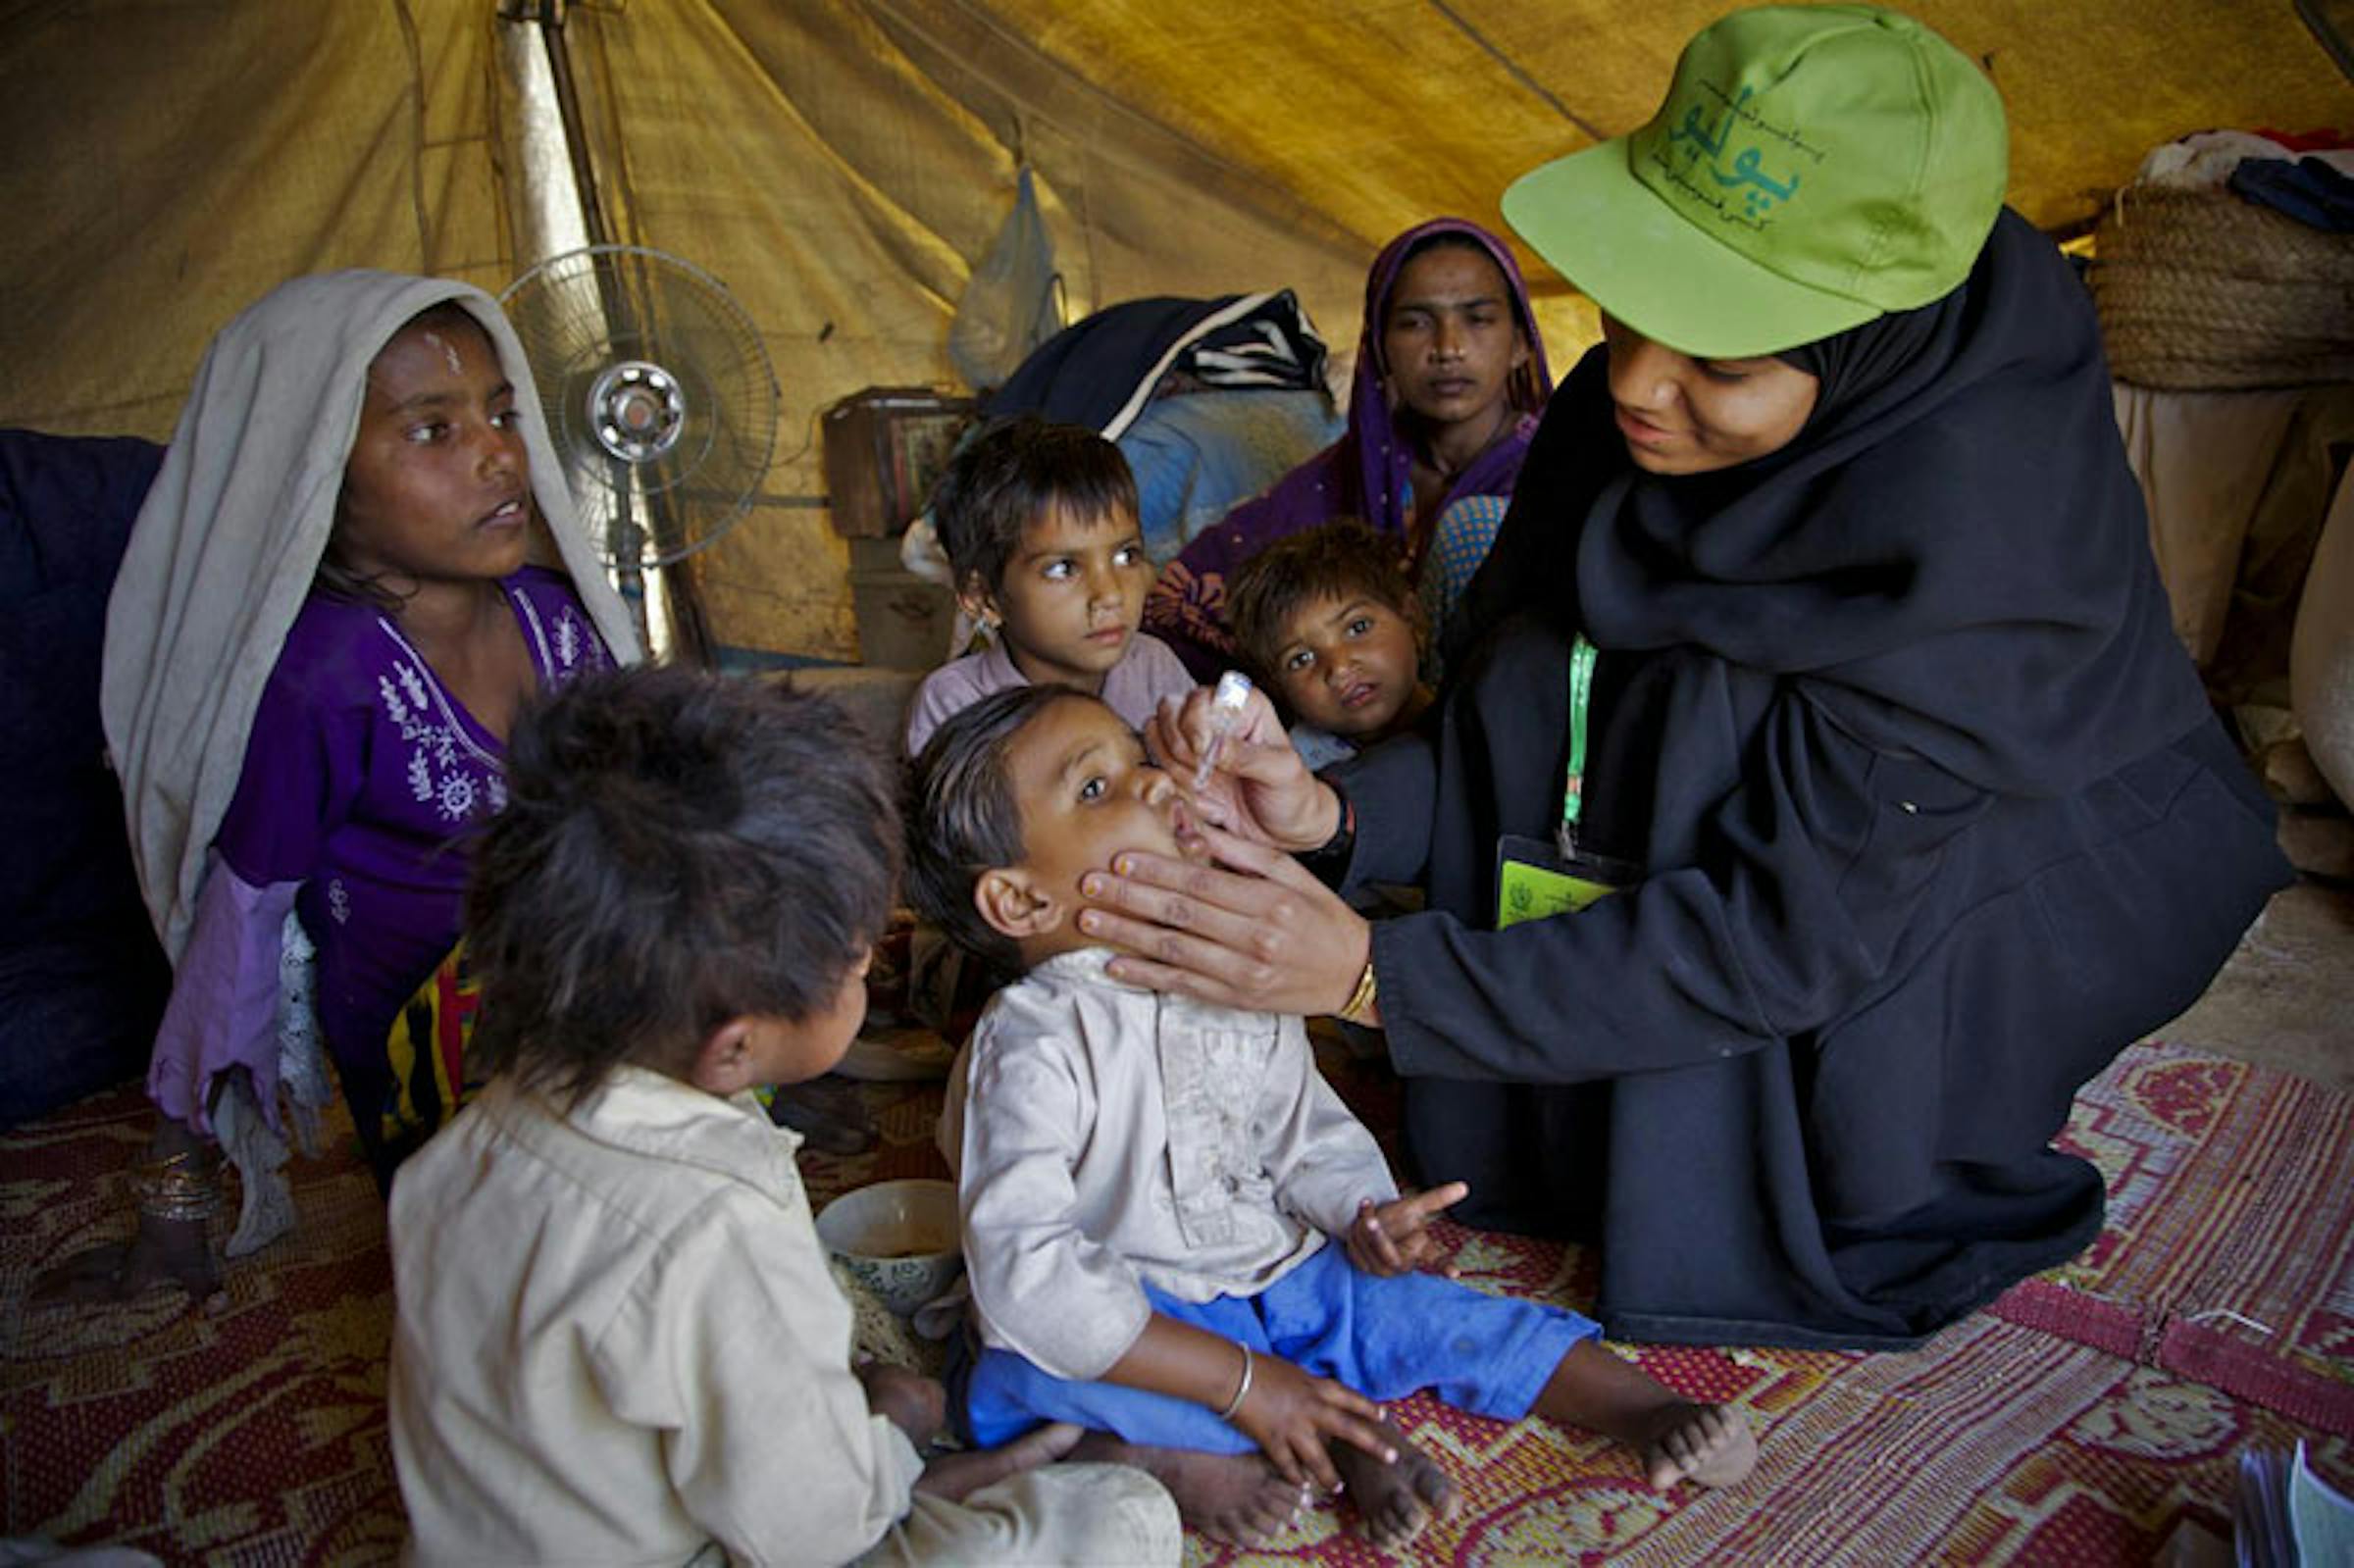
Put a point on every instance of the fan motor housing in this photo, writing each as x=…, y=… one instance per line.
x=637, y=410
x=659, y=395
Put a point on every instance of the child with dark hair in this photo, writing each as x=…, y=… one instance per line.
x=1449, y=382
x=1040, y=528
x=1327, y=622
x=617, y=1337
x=1150, y=1185
x=357, y=561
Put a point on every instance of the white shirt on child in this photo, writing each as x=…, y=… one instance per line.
x=1132, y=688
x=1105, y=1136
x=618, y=1338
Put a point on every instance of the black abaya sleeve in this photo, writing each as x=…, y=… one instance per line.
x=1390, y=788
x=1805, y=890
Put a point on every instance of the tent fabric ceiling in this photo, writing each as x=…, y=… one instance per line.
x=1188, y=147
x=839, y=164
x=886, y=161
x=1444, y=101
x=168, y=163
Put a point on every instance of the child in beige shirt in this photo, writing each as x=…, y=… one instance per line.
x=617, y=1339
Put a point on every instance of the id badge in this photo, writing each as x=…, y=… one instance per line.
x=1533, y=881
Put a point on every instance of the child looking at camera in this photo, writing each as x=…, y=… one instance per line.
x=357, y=563
x=617, y=1339
x=1151, y=1188
x=1039, y=524
x=1326, y=621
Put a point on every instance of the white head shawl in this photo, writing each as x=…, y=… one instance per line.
x=233, y=528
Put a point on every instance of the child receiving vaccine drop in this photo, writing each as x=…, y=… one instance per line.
x=1178, y=1237
x=1039, y=524
x=616, y=1337
x=1326, y=621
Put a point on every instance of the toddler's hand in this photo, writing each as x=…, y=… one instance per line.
x=1291, y=1415
x=914, y=1403
x=1395, y=1237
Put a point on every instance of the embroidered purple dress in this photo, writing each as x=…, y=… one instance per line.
x=363, y=777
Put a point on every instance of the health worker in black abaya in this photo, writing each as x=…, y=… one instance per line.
x=1824, y=631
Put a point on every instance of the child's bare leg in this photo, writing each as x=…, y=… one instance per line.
x=1235, y=1497
x=1678, y=1439
x=1396, y=1501
x=955, y=1476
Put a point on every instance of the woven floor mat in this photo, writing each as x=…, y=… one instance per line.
x=2080, y=1421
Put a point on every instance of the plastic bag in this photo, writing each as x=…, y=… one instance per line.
x=1012, y=302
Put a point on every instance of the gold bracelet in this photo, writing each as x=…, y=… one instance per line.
x=1242, y=1390
x=1359, y=1008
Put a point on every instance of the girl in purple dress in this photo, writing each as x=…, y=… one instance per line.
x=327, y=620
x=1449, y=380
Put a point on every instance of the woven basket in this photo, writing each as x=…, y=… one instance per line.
x=2201, y=290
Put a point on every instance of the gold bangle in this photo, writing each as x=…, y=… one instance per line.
x=1359, y=1008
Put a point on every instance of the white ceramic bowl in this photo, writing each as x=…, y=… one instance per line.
x=897, y=1238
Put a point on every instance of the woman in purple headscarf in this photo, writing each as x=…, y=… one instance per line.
x=1449, y=380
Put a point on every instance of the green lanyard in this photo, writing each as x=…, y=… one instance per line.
x=1573, y=787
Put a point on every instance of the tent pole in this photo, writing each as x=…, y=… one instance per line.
x=671, y=621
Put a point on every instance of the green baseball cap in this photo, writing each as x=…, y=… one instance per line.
x=1812, y=166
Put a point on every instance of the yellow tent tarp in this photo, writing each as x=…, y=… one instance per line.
x=839, y=164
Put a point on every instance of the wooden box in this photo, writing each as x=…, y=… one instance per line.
x=883, y=448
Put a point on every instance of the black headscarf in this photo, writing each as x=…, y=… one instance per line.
x=1951, y=557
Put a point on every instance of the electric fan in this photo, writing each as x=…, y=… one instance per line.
x=658, y=393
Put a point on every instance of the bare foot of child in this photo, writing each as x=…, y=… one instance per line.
x=1235, y=1497
x=1396, y=1501
x=163, y=1252
x=1678, y=1440
x=1707, y=1443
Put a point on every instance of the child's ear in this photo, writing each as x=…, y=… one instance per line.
x=1014, y=904
x=977, y=602
x=723, y=1063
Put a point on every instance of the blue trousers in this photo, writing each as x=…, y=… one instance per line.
x=1385, y=1338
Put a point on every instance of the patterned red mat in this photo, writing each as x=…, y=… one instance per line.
x=2228, y=1256
x=2080, y=1422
